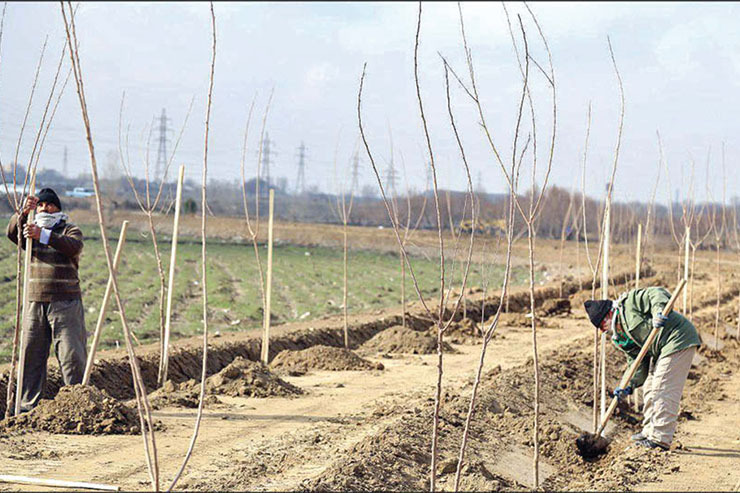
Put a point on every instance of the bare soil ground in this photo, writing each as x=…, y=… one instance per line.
x=370, y=429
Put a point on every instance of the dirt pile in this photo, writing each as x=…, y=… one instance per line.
x=78, y=410
x=396, y=339
x=555, y=306
x=321, y=357
x=241, y=378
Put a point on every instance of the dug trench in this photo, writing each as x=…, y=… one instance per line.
x=114, y=375
x=395, y=456
x=370, y=429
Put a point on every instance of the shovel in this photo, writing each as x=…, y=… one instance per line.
x=591, y=445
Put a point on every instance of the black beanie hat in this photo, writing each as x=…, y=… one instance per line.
x=50, y=197
x=597, y=310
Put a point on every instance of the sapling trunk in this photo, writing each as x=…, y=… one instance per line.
x=203, y=259
x=145, y=416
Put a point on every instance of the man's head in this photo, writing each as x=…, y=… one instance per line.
x=48, y=201
x=599, y=312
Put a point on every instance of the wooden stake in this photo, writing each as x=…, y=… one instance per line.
x=164, y=364
x=638, y=256
x=635, y=398
x=605, y=295
x=687, y=246
x=104, y=306
x=58, y=483
x=268, y=289
x=26, y=278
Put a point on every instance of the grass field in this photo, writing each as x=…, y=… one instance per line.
x=307, y=284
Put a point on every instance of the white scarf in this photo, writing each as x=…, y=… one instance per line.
x=48, y=221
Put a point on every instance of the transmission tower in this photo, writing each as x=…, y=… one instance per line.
x=162, y=150
x=391, y=177
x=355, y=171
x=65, y=163
x=300, y=182
x=267, y=154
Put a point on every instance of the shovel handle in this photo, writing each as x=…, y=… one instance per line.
x=645, y=348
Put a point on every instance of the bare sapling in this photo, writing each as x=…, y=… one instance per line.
x=142, y=402
x=17, y=201
x=718, y=231
x=512, y=178
x=148, y=205
x=438, y=314
x=408, y=231
x=599, y=349
x=688, y=214
x=594, y=268
x=203, y=257
x=253, y=230
x=648, y=232
x=563, y=231
x=26, y=279
x=343, y=210
x=535, y=201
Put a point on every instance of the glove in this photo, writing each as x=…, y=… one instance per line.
x=659, y=321
x=622, y=393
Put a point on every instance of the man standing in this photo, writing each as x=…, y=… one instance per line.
x=631, y=319
x=54, y=313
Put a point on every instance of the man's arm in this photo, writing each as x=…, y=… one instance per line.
x=12, y=230
x=69, y=243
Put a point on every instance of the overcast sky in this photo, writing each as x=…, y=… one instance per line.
x=678, y=62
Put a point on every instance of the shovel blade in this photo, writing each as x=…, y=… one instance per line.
x=591, y=445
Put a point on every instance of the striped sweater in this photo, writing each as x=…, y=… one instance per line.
x=53, y=266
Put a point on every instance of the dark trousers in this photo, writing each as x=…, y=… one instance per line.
x=61, y=323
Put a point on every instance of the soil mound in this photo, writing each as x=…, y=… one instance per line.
x=245, y=378
x=321, y=357
x=396, y=339
x=170, y=395
x=556, y=306
x=78, y=410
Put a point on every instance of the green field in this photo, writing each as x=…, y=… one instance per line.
x=307, y=284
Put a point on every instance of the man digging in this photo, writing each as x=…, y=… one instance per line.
x=664, y=370
x=55, y=313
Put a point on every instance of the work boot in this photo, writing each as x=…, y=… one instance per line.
x=638, y=436
x=651, y=444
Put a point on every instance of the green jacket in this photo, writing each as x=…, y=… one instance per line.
x=637, y=309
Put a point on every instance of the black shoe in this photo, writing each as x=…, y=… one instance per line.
x=647, y=443
x=637, y=437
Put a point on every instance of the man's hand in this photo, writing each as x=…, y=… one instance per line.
x=622, y=393
x=31, y=203
x=32, y=231
x=659, y=321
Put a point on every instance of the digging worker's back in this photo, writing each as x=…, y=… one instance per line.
x=55, y=312
x=664, y=370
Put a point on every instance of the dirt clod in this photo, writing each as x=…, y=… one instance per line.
x=77, y=410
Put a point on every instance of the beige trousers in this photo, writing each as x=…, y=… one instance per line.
x=662, y=394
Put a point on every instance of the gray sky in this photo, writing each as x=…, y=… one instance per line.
x=678, y=62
